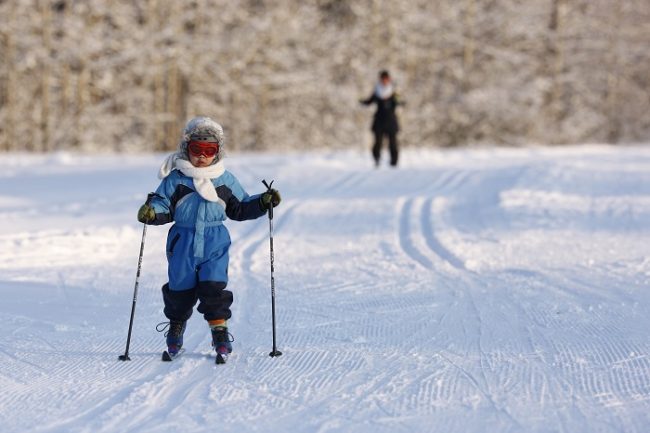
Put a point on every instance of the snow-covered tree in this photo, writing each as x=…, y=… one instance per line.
x=119, y=75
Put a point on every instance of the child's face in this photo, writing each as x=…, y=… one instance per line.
x=201, y=160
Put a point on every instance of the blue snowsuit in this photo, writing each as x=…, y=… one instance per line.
x=198, y=242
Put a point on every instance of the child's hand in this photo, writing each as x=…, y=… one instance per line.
x=270, y=197
x=146, y=214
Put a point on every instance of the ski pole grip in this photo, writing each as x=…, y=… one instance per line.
x=268, y=188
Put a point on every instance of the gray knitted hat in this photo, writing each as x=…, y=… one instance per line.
x=202, y=129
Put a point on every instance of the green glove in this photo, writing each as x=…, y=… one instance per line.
x=146, y=214
x=270, y=197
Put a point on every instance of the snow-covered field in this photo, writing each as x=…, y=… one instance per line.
x=489, y=290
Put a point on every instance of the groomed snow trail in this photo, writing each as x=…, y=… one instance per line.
x=465, y=291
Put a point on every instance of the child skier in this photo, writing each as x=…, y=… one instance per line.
x=197, y=193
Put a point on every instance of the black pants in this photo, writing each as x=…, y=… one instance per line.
x=214, y=301
x=392, y=146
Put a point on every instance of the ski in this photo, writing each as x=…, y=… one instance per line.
x=221, y=358
x=167, y=357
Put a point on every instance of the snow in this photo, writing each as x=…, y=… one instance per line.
x=469, y=290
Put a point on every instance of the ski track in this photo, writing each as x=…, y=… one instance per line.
x=401, y=335
x=420, y=243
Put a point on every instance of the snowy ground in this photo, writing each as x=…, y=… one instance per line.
x=492, y=290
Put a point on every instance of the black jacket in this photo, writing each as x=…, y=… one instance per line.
x=385, y=120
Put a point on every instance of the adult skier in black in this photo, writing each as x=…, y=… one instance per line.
x=385, y=120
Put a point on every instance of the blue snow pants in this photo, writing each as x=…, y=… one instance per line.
x=201, y=279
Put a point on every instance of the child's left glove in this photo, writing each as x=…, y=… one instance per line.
x=270, y=197
x=146, y=214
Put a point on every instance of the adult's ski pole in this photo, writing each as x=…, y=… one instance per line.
x=125, y=357
x=275, y=351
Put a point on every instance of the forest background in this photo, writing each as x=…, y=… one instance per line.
x=118, y=75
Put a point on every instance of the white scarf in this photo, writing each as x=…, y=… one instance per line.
x=202, y=176
x=384, y=92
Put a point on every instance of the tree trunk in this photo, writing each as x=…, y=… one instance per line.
x=11, y=86
x=45, y=77
x=556, y=110
x=469, y=44
x=614, y=72
x=81, y=98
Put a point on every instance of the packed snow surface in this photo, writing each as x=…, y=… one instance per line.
x=484, y=290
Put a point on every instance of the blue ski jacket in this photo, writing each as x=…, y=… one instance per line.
x=198, y=242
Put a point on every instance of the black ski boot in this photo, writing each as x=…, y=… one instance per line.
x=221, y=340
x=174, y=335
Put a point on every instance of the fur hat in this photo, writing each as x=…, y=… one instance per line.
x=202, y=129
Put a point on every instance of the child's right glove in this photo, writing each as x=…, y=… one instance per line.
x=270, y=197
x=146, y=214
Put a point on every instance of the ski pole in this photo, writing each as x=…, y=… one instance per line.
x=275, y=351
x=125, y=357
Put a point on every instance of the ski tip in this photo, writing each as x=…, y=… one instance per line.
x=220, y=359
x=166, y=356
